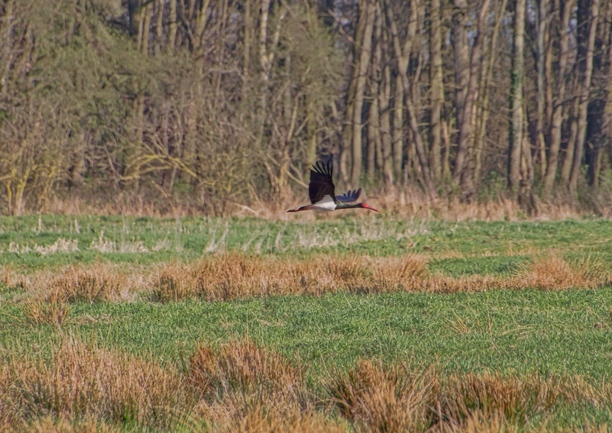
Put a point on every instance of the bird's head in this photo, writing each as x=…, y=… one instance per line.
x=367, y=206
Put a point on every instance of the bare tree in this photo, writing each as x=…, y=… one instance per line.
x=591, y=17
x=557, y=114
x=516, y=128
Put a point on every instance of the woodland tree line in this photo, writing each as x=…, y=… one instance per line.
x=217, y=102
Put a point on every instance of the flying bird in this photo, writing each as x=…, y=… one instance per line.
x=322, y=195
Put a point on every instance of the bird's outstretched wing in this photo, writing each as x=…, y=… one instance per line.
x=349, y=196
x=321, y=182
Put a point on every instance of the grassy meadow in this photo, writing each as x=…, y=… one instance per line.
x=354, y=324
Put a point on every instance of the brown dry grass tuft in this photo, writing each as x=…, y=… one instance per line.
x=243, y=387
x=514, y=399
x=92, y=284
x=80, y=381
x=174, y=282
x=234, y=275
x=262, y=420
x=378, y=399
x=49, y=424
x=246, y=368
x=551, y=272
x=40, y=312
x=246, y=387
x=494, y=402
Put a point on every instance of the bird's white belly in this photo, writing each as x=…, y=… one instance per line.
x=327, y=204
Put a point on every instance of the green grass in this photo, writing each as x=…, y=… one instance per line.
x=549, y=332
x=455, y=248
x=552, y=333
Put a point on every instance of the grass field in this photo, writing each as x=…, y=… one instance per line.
x=354, y=324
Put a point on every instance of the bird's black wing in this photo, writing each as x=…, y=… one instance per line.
x=349, y=196
x=321, y=182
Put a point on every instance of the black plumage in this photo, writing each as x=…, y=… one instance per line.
x=321, y=182
x=349, y=196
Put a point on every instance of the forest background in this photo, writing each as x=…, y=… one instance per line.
x=216, y=106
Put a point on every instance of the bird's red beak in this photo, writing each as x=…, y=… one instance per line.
x=365, y=206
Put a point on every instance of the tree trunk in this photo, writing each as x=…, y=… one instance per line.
x=587, y=70
x=542, y=50
x=566, y=167
x=596, y=117
x=516, y=91
x=557, y=115
x=7, y=45
x=266, y=61
x=607, y=132
x=398, y=129
x=385, y=126
x=135, y=16
x=374, y=131
x=462, y=76
x=437, y=91
x=172, y=26
x=146, y=28
x=368, y=13
x=311, y=129
x=468, y=122
x=403, y=55
x=484, y=104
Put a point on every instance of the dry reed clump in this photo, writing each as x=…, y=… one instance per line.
x=545, y=273
x=40, y=312
x=245, y=387
x=80, y=381
x=245, y=368
x=50, y=424
x=234, y=275
x=91, y=284
x=10, y=278
x=489, y=401
x=174, y=282
x=553, y=273
x=262, y=420
x=491, y=397
x=7, y=413
x=378, y=399
x=405, y=273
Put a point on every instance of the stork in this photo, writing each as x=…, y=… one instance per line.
x=321, y=191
